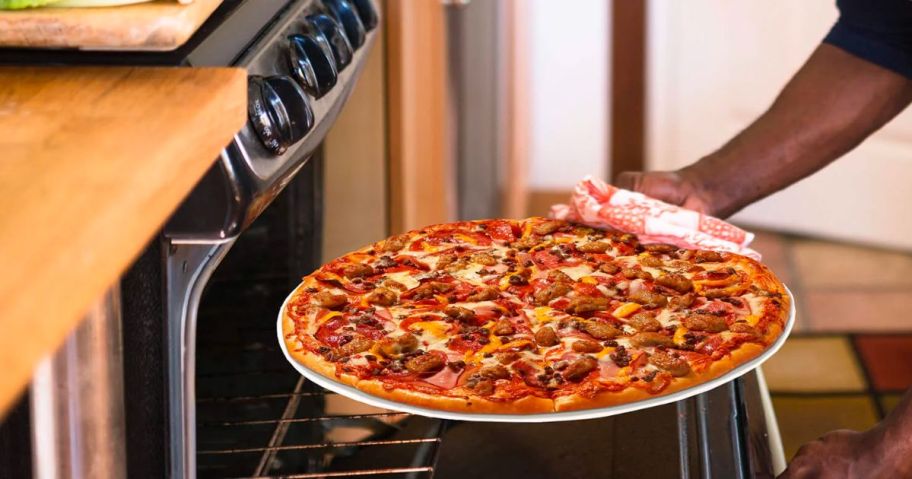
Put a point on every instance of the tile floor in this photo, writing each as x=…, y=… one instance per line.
x=850, y=357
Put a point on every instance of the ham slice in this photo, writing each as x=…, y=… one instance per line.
x=607, y=369
x=446, y=378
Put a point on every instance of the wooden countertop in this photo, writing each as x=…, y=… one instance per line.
x=159, y=25
x=92, y=162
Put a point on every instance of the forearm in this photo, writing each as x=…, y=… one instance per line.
x=830, y=106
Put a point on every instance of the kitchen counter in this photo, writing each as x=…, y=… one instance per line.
x=92, y=163
x=160, y=25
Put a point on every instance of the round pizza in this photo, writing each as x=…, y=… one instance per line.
x=530, y=316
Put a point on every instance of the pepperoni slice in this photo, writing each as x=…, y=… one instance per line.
x=503, y=231
x=545, y=259
x=328, y=333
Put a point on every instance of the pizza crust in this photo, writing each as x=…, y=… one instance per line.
x=468, y=404
x=631, y=394
x=759, y=275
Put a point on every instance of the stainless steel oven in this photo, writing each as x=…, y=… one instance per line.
x=178, y=374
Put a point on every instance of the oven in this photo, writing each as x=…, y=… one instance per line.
x=178, y=373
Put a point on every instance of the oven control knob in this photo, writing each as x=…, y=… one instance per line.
x=278, y=111
x=344, y=13
x=312, y=63
x=367, y=13
x=338, y=43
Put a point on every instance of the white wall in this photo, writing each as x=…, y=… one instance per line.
x=568, y=64
x=715, y=66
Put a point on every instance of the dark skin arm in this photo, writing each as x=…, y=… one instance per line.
x=832, y=104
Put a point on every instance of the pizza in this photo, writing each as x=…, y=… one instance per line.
x=530, y=316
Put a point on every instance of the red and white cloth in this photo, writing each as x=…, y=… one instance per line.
x=600, y=205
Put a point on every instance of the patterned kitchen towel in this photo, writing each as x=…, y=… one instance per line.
x=600, y=205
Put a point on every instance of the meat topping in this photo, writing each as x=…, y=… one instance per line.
x=744, y=328
x=620, y=356
x=547, y=227
x=506, y=357
x=329, y=300
x=494, y=372
x=594, y=247
x=559, y=276
x=675, y=281
x=428, y=290
x=552, y=291
x=394, y=243
x=645, y=322
x=503, y=327
x=675, y=365
x=660, y=248
x=682, y=302
x=382, y=297
x=357, y=270
x=586, y=346
x=599, y=330
x=355, y=345
x=393, y=347
x=487, y=293
x=646, y=339
x=705, y=256
x=484, y=259
x=649, y=299
x=705, y=322
x=587, y=304
x=425, y=363
x=579, y=369
x=546, y=337
x=459, y=313
x=609, y=267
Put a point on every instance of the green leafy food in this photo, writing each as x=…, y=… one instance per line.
x=94, y=3
x=17, y=4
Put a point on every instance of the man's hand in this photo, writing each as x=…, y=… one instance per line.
x=833, y=103
x=849, y=454
x=675, y=187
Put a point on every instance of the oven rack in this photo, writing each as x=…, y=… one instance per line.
x=259, y=418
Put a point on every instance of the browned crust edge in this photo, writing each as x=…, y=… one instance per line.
x=760, y=275
x=468, y=404
x=632, y=394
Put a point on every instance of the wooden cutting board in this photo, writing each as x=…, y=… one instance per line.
x=158, y=25
x=92, y=163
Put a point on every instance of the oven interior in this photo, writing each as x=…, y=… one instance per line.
x=258, y=417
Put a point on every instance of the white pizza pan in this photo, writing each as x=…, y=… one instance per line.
x=357, y=395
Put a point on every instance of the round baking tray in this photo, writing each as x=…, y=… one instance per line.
x=357, y=395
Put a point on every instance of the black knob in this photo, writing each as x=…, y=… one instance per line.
x=338, y=43
x=312, y=63
x=367, y=13
x=344, y=13
x=278, y=111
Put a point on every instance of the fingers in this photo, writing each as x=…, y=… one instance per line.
x=629, y=180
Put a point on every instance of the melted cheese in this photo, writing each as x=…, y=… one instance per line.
x=543, y=314
x=625, y=310
x=437, y=329
x=404, y=277
x=679, y=336
x=665, y=318
x=470, y=273
x=577, y=272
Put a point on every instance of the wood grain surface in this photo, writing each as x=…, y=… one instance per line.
x=422, y=173
x=158, y=25
x=92, y=162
